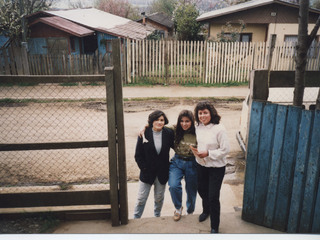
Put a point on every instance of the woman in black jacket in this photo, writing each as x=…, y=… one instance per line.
x=152, y=157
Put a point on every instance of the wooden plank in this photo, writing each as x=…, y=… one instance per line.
x=6, y=62
x=263, y=162
x=52, y=145
x=316, y=216
x=14, y=79
x=275, y=160
x=17, y=58
x=12, y=61
x=286, y=79
x=204, y=61
x=56, y=198
x=166, y=61
x=312, y=178
x=143, y=58
x=300, y=171
x=121, y=148
x=112, y=148
x=62, y=213
x=259, y=85
x=128, y=60
x=286, y=169
x=252, y=154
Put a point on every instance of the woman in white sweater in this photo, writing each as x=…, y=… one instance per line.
x=213, y=147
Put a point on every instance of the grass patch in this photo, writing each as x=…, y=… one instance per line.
x=92, y=84
x=186, y=84
x=48, y=223
x=213, y=99
x=147, y=99
x=227, y=84
x=69, y=84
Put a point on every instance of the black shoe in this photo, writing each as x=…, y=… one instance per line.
x=214, y=231
x=203, y=216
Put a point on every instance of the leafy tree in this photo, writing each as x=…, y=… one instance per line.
x=316, y=4
x=165, y=6
x=185, y=22
x=120, y=8
x=230, y=33
x=12, y=13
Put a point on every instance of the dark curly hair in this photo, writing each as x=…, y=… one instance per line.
x=215, y=117
x=155, y=115
x=179, y=129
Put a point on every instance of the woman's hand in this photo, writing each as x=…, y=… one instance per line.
x=203, y=154
x=142, y=130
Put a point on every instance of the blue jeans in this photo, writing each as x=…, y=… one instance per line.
x=144, y=190
x=178, y=169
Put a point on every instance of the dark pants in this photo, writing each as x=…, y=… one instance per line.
x=209, y=185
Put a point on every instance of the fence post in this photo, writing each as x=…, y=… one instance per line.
x=259, y=89
x=121, y=149
x=112, y=149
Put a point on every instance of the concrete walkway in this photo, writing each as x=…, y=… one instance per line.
x=231, y=222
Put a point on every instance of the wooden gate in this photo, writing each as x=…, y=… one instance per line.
x=116, y=196
x=282, y=184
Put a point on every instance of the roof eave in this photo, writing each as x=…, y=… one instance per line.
x=205, y=19
x=61, y=29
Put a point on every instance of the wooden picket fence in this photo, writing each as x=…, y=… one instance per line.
x=180, y=62
x=282, y=187
x=165, y=61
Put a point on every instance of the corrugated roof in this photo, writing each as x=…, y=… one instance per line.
x=65, y=25
x=106, y=22
x=162, y=19
x=239, y=7
x=131, y=30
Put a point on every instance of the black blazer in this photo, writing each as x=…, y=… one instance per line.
x=151, y=163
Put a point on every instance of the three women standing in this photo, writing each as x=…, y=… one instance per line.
x=212, y=149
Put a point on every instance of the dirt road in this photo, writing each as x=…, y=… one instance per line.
x=84, y=121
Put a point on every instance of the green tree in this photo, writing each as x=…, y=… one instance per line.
x=12, y=16
x=230, y=33
x=316, y=4
x=165, y=6
x=185, y=22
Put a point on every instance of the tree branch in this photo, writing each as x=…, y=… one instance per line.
x=313, y=33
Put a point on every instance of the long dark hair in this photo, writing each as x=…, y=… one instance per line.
x=155, y=115
x=179, y=130
x=215, y=118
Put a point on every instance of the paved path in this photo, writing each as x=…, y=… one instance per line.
x=231, y=222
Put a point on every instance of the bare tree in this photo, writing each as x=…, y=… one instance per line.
x=120, y=8
x=304, y=42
